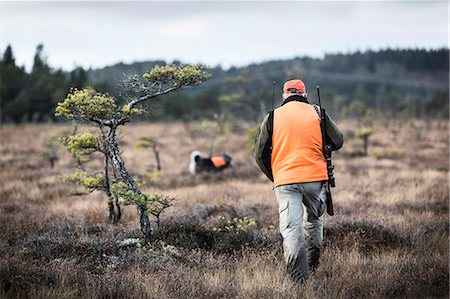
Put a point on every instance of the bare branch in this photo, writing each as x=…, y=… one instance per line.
x=123, y=121
x=101, y=122
x=149, y=96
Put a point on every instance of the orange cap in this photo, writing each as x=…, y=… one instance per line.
x=298, y=85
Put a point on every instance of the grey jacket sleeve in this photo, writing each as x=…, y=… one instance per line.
x=263, y=148
x=333, y=135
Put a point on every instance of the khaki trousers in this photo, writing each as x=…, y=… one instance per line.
x=301, y=208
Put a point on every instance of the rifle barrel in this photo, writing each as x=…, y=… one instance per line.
x=273, y=95
x=318, y=95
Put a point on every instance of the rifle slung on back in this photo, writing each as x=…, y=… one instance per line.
x=327, y=151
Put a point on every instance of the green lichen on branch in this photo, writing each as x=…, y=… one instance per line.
x=86, y=105
x=127, y=112
x=158, y=204
x=154, y=204
x=178, y=76
x=81, y=146
x=81, y=178
x=125, y=194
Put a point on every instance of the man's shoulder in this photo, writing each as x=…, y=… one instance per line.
x=297, y=105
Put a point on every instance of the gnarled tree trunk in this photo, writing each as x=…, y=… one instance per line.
x=158, y=160
x=120, y=166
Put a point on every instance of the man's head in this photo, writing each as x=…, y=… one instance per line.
x=294, y=88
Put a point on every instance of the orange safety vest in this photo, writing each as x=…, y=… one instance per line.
x=218, y=161
x=297, y=155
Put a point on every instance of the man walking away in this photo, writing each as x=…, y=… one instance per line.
x=288, y=150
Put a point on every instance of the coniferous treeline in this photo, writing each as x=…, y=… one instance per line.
x=32, y=96
x=408, y=82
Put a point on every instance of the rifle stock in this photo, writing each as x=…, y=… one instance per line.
x=330, y=209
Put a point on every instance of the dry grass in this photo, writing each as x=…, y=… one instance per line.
x=389, y=238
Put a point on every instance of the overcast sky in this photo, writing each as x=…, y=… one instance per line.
x=95, y=34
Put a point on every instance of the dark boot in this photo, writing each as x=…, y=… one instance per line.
x=313, y=258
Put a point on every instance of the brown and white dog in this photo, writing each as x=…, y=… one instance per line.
x=215, y=163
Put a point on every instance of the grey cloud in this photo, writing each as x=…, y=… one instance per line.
x=99, y=33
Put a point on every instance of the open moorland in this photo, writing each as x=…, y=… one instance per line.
x=389, y=237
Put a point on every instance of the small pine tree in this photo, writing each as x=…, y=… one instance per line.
x=153, y=143
x=89, y=106
x=366, y=129
x=82, y=147
x=53, y=146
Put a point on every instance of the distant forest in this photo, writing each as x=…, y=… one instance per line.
x=388, y=83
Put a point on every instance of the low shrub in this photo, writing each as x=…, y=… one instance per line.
x=228, y=236
x=367, y=237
